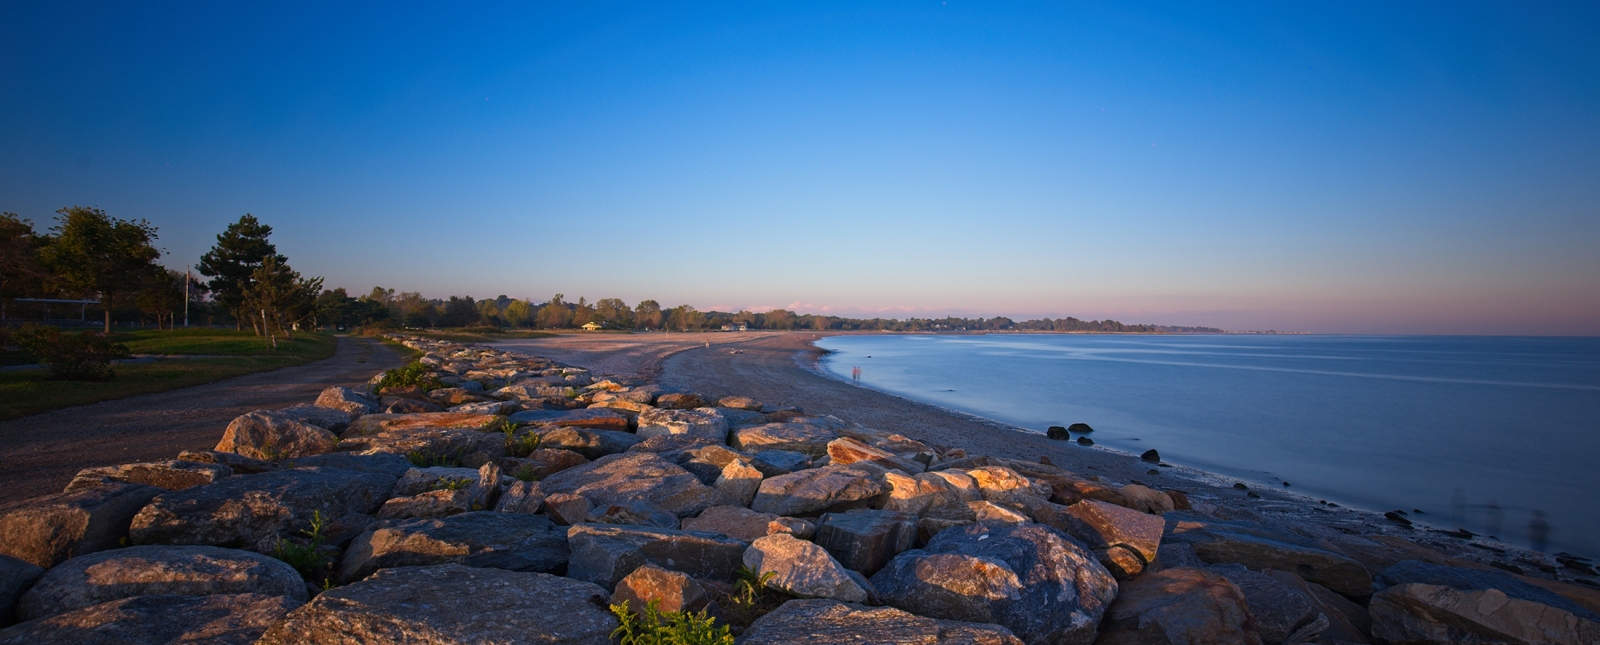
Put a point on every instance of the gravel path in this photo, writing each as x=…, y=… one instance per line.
x=42, y=452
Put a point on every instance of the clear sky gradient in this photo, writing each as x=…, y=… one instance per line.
x=1329, y=167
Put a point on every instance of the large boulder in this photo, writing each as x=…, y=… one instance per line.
x=232, y=619
x=435, y=438
x=254, y=511
x=591, y=418
x=155, y=571
x=1125, y=540
x=865, y=539
x=1283, y=615
x=326, y=418
x=738, y=482
x=382, y=463
x=1428, y=603
x=807, y=622
x=746, y=525
x=804, y=569
x=1042, y=585
x=271, y=436
x=671, y=591
x=605, y=553
x=169, y=475
x=1180, y=605
x=817, y=490
x=844, y=451
x=1004, y=485
x=374, y=424
x=541, y=463
x=239, y=464
x=16, y=577
x=511, y=541
x=451, y=604
x=700, y=422
x=46, y=530
x=347, y=400
x=924, y=492
x=590, y=444
x=1259, y=547
x=619, y=479
x=795, y=437
x=679, y=401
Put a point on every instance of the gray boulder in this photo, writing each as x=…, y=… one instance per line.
x=158, y=571
x=1283, y=615
x=1259, y=547
x=233, y=619
x=619, y=479
x=1180, y=605
x=1428, y=603
x=605, y=553
x=804, y=569
x=818, y=490
x=168, y=475
x=254, y=511
x=699, y=422
x=746, y=525
x=326, y=418
x=807, y=622
x=1042, y=585
x=271, y=436
x=590, y=418
x=239, y=464
x=1125, y=540
x=591, y=444
x=16, y=577
x=46, y=530
x=347, y=400
x=451, y=604
x=388, y=464
x=796, y=437
x=510, y=541
x=865, y=539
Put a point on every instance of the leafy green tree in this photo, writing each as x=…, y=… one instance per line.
x=460, y=312
x=21, y=271
x=647, y=315
x=281, y=298
x=162, y=297
x=555, y=314
x=518, y=313
x=92, y=252
x=614, y=313
x=685, y=317
x=583, y=313
x=336, y=307
x=240, y=250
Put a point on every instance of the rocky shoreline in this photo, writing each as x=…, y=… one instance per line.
x=486, y=496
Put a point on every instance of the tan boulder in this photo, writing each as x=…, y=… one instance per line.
x=803, y=569
x=47, y=530
x=671, y=591
x=270, y=436
x=738, y=482
x=166, y=475
x=844, y=451
x=746, y=525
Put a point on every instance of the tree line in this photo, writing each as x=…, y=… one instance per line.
x=251, y=285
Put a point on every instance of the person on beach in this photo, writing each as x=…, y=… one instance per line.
x=855, y=375
x=1539, y=532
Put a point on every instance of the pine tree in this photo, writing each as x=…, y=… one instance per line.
x=240, y=250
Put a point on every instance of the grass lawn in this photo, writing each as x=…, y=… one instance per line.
x=33, y=391
x=475, y=336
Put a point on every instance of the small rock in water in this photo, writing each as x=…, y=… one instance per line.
x=1286, y=484
x=1252, y=494
x=1418, y=511
x=1152, y=471
x=1151, y=456
x=1080, y=428
x=1057, y=432
x=1397, y=517
x=1085, y=441
x=1239, y=485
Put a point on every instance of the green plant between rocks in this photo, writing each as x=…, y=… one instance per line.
x=427, y=458
x=451, y=483
x=308, y=558
x=751, y=598
x=527, y=473
x=412, y=374
x=667, y=628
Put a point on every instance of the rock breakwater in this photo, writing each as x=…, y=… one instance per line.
x=505, y=498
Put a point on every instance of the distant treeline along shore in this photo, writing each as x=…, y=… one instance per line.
x=91, y=256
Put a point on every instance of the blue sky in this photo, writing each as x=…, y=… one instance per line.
x=1334, y=167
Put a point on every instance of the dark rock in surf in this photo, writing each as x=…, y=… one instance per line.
x=1151, y=456
x=1058, y=433
x=1080, y=428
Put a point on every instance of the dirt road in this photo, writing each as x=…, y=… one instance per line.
x=42, y=452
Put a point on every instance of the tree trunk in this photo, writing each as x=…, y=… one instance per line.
x=107, y=303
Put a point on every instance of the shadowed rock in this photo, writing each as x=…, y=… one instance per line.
x=234, y=619
x=605, y=553
x=1037, y=582
x=155, y=571
x=1259, y=547
x=451, y=604
x=46, y=530
x=16, y=577
x=619, y=479
x=865, y=539
x=591, y=418
x=746, y=525
x=1180, y=605
x=808, y=622
x=511, y=541
x=253, y=511
x=167, y=475
x=795, y=437
x=590, y=444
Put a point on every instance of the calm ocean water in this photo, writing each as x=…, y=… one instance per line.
x=1464, y=428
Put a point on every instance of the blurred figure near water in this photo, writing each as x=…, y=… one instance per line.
x=1496, y=518
x=1458, y=509
x=1539, y=532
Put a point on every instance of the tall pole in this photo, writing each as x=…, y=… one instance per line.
x=186, y=279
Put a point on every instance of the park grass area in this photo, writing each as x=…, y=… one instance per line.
x=475, y=335
x=25, y=392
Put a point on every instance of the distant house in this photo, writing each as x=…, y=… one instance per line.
x=591, y=326
x=738, y=327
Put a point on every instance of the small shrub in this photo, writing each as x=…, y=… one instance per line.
x=520, y=446
x=413, y=374
x=76, y=357
x=751, y=598
x=307, y=557
x=667, y=628
x=527, y=473
x=451, y=483
x=429, y=458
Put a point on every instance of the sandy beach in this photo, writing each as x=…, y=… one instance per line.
x=780, y=368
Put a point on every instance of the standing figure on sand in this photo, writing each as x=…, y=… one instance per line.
x=855, y=375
